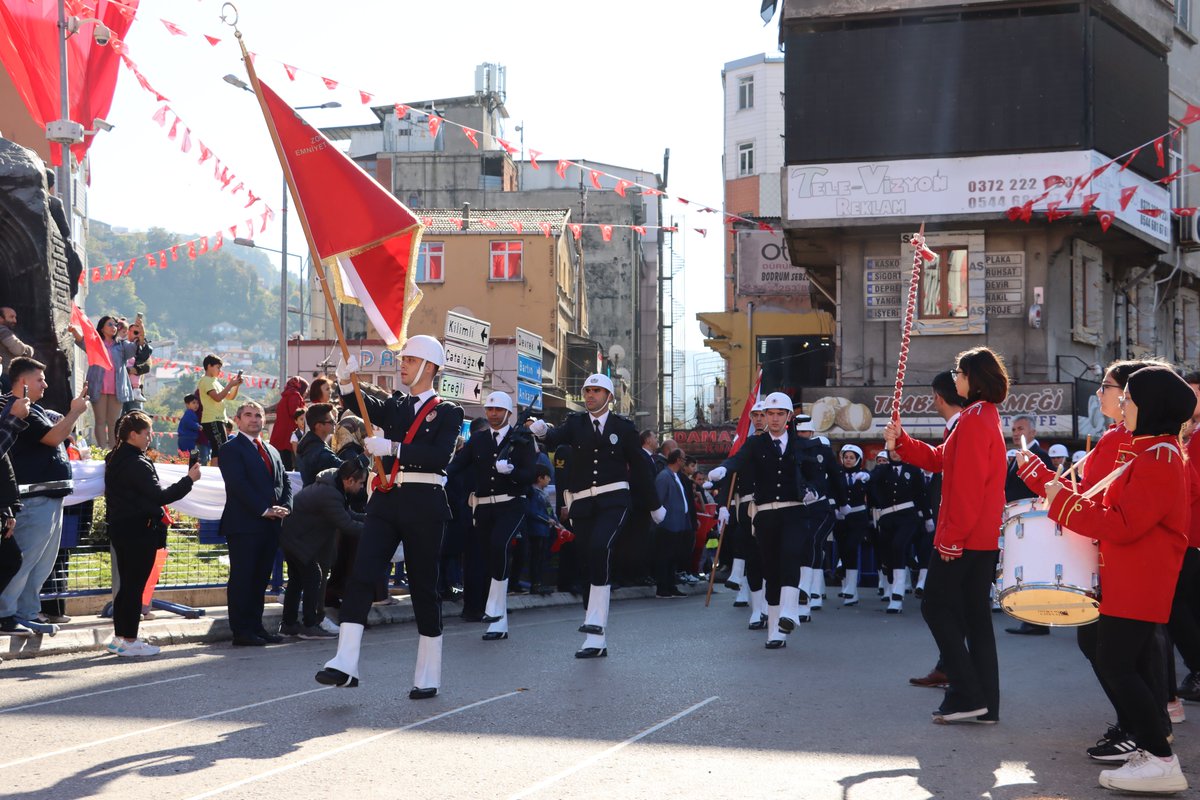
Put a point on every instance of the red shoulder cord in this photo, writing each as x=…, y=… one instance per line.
x=418, y=420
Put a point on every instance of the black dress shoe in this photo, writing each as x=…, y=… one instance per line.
x=1026, y=629
x=918, y=592
x=495, y=636
x=488, y=618
x=471, y=616
x=594, y=629
x=761, y=625
x=741, y=603
x=249, y=641
x=776, y=644
x=270, y=638
x=732, y=585
x=787, y=624
x=421, y=694
x=592, y=652
x=335, y=677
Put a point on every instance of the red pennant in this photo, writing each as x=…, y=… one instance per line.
x=267, y=213
x=576, y=229
x=764, y=226
x=1027, y=211
x=707, y=210
x=186, y=146
x=427, y=222
x=639, y=229
x=205, y=153
x=149, y=260
x=621, y=186
x=174, y=132
x=253, y=199
x=435, y=122
x=1167, y=180
x=1126, y=195
x=96, y=275
x=1013, y=213
x=240, y=185
x=174, y=252
x=684, y=201
x=471, y=135
x=214, y=41
x=1158, y=151
x=365, y=97
x=670, y=229
x=291, y=71
x=595, y=174
x=173, y=29
x=203, y=245
x=160, y=116
x=702, y=231
x=533, y=157
x=124, y=270
x=1052, y=181
x=516, y=226
x=606, y=232
x=233, y=231
x=1190, y=211
x=489, y=223
x=508, y=148
x=1151, y=212
x=545, y=226
x=561, y=169
x=1132, y=156
x=162, y=259
x=732, y=218
x=108, y=272
x=1106, y=219
x=1192, y=115
x=1089, y=200
x=456, y=222
x=652, y=192
x=219, y=242
x=401, y=111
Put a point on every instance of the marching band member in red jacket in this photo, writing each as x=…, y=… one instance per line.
x=957, y=604
x=1185, y=622
x=1142, y=526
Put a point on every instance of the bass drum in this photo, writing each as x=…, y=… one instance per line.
x=1047, y=575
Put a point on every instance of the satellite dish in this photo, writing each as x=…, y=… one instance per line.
x=625, y=374
x=616, y=353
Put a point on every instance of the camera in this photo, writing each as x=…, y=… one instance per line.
x=101, y=34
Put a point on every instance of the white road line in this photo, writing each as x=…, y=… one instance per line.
x=93, y=694
x=349, y=746
x=587, y=762
x=144, y=731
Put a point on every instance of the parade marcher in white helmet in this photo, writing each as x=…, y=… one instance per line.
x=779, y=511
x=737, y=530
x=1058, y=455
x=821, y=470
x=503, y=460
x=609, y=479
x=853, y=520
x=415, y=435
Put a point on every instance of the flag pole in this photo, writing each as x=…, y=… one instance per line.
x=312, y=246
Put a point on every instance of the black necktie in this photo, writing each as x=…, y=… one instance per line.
x=596, y=423
x=496, y=439
x=778, y=447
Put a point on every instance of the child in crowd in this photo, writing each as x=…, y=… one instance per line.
x=189, y=426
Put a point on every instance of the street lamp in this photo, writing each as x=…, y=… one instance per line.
x=234, y=80
x=251, y=243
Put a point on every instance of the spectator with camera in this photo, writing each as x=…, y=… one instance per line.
x=109, y=389
x=213, y=395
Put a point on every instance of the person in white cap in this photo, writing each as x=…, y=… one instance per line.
x=898, y=493
x=734, y=512
x=414, y=435
x=609, y=479
x=853, y=520
x=502, y=459
x=820, y=468
x=1058, y=455
x=780, y=495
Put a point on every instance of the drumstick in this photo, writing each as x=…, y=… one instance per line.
x=1087, y=448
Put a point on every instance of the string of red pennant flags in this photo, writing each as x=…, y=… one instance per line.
x=576, y=228
x=253, y=381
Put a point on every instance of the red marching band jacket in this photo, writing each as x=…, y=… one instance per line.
x=1142, y=526
x=1194, y=472
x=1101, y=461
x=973, y=464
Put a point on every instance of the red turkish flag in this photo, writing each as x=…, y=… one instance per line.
x=470, y=134
x=1167, y=180
x=365, y=97
x=1132, y=156
x=160, y=116
x=212, y=40
x=595, y=174
x=1151, y=212
x=126, y=269
x=456, y=222
x=765, y=226
x=96, y=275
x=1189, y=211
x=192, y=249
x=186, y=145
x=330, y=83
x=1052, y=181
x=361, y=232
x=702, y=231
x=253, y=199
x=621, y=186
x=533, y=157
x=639, y=229
x=1013, y=213
x=174, y=252
x=508, y=148
x=1089, y=200
x=516, y=226
x=435, y=122
x=649, y=191
x=576, y=229
x=1158, y=151
x=97, y=353
x=545, y=226
x=220, y=241
x=162, y=259
x=489, y=223
x=1106, y=218
x=151, y=260
x=606, y=232
x=684, y=201
x=743, y=427
x=1126, y=195
x=174, y=29
x=203, y=245
x=205, y=153
x=174, y=132
x=401, y=110
x=561, y=169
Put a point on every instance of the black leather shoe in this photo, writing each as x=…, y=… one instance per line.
x=421, y=694
x=592, y=652
x=741, y=603
x=761, y=625
x=270, y=638
x=787, y=624
x=249, y=641
x=489, y=619
x=733, y=585
x=594, y=629
x=1026, y=629
x=335, y=677
x=918, y=592
x=471, y=616
x=801, y=618
x=495, y=636
x=776, y=644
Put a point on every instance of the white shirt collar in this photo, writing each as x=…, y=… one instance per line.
x=783, y=438
x=253, y=440
x=424, y=396
x=602, y=419
x=502, y=432
x=950, y=423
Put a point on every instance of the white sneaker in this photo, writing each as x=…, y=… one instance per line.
x=329, y=626
x=138, y=648
x=1176, y=712
x=1146, y=773
x=115, y=646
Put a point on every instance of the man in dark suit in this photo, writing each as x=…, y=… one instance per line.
x=258, y=495
x=672, y=496
x=414, y=436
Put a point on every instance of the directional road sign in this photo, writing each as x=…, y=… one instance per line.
x=461, y=328
x=529, y=369
x=530, y=344
x=458, y=387
x=529, y=396
x=464, y=359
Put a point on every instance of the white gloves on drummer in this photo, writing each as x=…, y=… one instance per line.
x=381, y=445
x=658, y=515
x=504, y=467
x=716, y=474
x=929, y=526
x=539, y=428
x=723, y=515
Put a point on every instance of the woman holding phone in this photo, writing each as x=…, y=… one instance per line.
x=110, y=389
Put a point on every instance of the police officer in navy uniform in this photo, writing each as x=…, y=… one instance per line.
x=608, y=478
x=502, y=459
x=898, y=494
x=735, y=514
x=821, y=471
x=853, y=520
x=414, y=435
x=779, y=512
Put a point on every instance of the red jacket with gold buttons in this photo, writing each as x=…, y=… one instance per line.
x=1101, y=461
x=1142, y=525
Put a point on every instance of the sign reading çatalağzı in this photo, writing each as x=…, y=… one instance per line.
x=763, y=266
x=466, y=358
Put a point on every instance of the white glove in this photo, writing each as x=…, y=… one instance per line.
x=810, y=497
x=838, y=514
x=503, y=467
x=658, y=515
x=539, y=428
x=929, y=526
x=716, y=474
x=345, y=368
x=844, y=512
x=723, y=515
x=380, y=445
x=706, y=485
x=862, y=477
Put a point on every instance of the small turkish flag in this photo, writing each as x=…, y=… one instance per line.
x=763, y=226
x=1089, y=200
x=192, y=249
x=545, y=226
x=174, y=130
x=702, y=231
x=649, y=191
x=1167, y=180
x=149, y=259
x=1132, y=156
x=561, y=169
x=533, y=157
x=174, y=29
x=1052, y=181
x=595, y=176
x=1151, y=212
x=606, y=232
x=162, y=259
x=205, y=153
x=330, y=83
x=639, y=229
x=576, y=229
x=1013, y=214
x=508, y=148
x=621, y=186
x=174, y=252
x=471, y=135
x=214, y=41
x=203, y=245
x=1158, y=151
x=516, y=226
x=401, y=110
x=365, y=96
x=126, y=269
x=435, y=122
x=1192, y=115
x=1126, y=195
x=160, y=116
x=1189, y=211
x=291, y=71
x=1106, y=219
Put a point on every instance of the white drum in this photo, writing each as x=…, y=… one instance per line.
x=1048, y=575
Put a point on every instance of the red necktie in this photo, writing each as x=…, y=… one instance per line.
x=262, y=451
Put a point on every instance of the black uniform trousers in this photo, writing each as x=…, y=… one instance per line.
x=495, y=526
x=819, y=523
x=390, y=521
x=957, y=607
x=596, y=526
x=849, y=534
x=1123, y=648
x=1151, y=668
x=898, y=530
x=784, y=538
x=1185, y=614
x=251, y=558
x=749, y=545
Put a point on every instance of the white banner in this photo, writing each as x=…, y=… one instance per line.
x=763, y=266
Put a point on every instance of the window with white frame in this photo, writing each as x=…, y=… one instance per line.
x=1183, y=14
x=431, y=262
x=506, y=261
x=1087, y=294
x=745, y=92
x=746, y=159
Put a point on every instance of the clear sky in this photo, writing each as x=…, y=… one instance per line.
x=615, y=82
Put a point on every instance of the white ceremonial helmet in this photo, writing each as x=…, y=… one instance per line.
x=1059, y=451
x=853, y=448
x=777, y=400
x=1011, y=454
x=1077, y=456
x=603, y=381
x=759, y=405
x=425, y=348
x=884, y=454
x=499, y=400
x=806, y=427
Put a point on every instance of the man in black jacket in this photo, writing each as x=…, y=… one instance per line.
x=608, y=481
x=502, y=459
x=898, y=494
x=313, y=453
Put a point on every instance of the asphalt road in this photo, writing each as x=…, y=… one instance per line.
x=688, y=704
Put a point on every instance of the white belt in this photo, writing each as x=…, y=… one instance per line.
x=419, y=477
x=743, y=498
x=571, y=497
x=773, y=506
x=489, y=499
x=856, y=509
x=897, y=507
